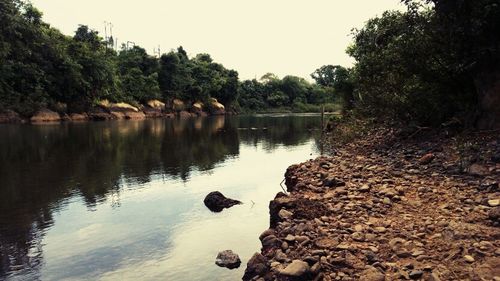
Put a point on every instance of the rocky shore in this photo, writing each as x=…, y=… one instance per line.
x=116, y=111
x=388, y=207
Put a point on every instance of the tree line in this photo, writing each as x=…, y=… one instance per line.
x=435, y=62
x=41, y=67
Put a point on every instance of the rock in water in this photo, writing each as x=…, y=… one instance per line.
x=216, y=202
x=228, y=259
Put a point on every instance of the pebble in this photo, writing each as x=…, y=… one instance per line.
x=469, y=259
x=494, y=202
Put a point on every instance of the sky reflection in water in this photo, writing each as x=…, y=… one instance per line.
x=124, y=200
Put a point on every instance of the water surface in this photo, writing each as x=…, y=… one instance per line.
x=124, y=200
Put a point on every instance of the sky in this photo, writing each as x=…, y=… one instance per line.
x=254, y=37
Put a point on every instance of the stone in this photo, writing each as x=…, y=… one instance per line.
x=228, y=259
x=76, y=117
x=426, y=159
x=216, y=202
x=333, y=182
x=290, y=238
x=494, y=202
x=256, y=266
x=494, y=214
x=469, y=258
x=297, y=268
x=328, y=243
x=266, y=233
x=478, y=170
x=45, y=115
x=270, y=241
x=9, y=116
x=416, y=274
x=372, y=274
x=284, y=214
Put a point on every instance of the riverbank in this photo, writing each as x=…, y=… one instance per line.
x=99, y=114
x=389, y=206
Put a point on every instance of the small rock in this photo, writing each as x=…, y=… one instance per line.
x=478, y=170
x=372, y=274
x=228, y=259
x=494, y=202
x=297, y=268
x=426, y=159
x=494, y=214
x=284, y=214
x=416, y=274
x=364, y=188
x=469, y=259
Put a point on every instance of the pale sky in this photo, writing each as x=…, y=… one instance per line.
x=253, y=37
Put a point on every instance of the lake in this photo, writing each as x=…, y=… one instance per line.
x=123, y=200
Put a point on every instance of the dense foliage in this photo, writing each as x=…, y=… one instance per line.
x=436, y=62
x=41, y=67
x=290, y=93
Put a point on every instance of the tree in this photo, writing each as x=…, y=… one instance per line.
x=340, y=79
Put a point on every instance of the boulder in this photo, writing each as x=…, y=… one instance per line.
x=217, y=108
x=228, y=259
x=152, y=112
x=216, y=202
x=118, y=115
x=197, y=107
x=256, y=266
x=131, y=115
x=156, y=104
x=184, y=114
x=178, y=105
x=45, y=115
x=99, y=114
x=478, y=170
x=9, y=116
x=78, y=116
x=297, y=268
x=122, y=107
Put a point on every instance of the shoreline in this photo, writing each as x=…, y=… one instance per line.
x=388, y=208
x=47, y=116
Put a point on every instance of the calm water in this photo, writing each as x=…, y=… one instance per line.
x=124, y=200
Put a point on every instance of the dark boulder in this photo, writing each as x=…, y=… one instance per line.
x=256, y=266
x=228, y=259
x=216, y=202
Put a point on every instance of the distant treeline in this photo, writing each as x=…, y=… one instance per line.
x=436, y=62
x=41, y=67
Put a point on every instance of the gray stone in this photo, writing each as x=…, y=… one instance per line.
x=228, y=259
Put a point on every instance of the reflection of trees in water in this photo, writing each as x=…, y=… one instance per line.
x=42, y=166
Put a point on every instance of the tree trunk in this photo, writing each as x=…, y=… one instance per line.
x=488, y=91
